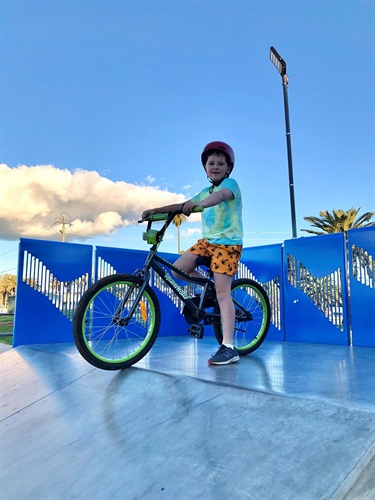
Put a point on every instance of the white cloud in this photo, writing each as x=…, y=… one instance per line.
x=32, y=197
x=191, y=231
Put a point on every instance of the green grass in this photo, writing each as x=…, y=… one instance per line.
x=6, y=327
x=6, y=323
x=8, y=339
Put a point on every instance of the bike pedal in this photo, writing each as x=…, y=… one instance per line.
x=196, y=331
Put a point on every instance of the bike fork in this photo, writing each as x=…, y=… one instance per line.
x=117, y=319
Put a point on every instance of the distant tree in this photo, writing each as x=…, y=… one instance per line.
x=7, y=287
x=339, y=221
x=177, y=221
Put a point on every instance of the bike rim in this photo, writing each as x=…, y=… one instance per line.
x=110, y=342
x=249, y=333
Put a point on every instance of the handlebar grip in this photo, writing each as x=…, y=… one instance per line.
x=162, y=216
x=157, y=217
x=197, y=209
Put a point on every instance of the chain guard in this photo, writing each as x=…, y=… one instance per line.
x=189, y=318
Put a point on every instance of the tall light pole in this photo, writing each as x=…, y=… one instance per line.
x=280, y=65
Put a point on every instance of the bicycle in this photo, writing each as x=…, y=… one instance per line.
x=118, y=318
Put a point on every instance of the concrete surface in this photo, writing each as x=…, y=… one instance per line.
x=4, y=347
x=291, y=421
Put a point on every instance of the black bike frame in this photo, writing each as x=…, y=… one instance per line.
x=167, y=278
x=155, y=262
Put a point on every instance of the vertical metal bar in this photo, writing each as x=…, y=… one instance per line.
x=289, y=151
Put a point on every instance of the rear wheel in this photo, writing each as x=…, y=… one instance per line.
x=106, y=335
x=252, y=320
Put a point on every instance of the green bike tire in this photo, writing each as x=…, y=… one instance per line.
x=105, y=342
x=248, y=335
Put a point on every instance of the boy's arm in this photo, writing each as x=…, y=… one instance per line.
x=211, y=200
x=167, y=208
x=187, y=207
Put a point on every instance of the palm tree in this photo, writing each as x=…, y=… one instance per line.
x=177, y=221
x=339, y=221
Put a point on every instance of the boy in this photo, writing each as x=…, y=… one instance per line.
x=222, y=233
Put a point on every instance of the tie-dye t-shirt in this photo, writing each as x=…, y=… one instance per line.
x=222, y=224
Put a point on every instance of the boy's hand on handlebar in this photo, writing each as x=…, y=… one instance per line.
x=146, y=213
x=188, y=207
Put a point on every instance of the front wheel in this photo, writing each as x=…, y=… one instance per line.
x=106, y=335
x=252, y=316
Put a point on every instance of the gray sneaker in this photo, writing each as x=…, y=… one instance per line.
x=223, y=356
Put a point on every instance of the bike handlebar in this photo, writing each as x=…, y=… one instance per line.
x=161, y=216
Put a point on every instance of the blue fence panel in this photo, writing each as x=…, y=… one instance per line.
x=315, y=290
x=361, y=246
x=51, y=279
x=117, y=260
x=264, y=265
x=306, y=281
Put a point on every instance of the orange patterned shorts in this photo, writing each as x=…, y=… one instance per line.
x=224, y=258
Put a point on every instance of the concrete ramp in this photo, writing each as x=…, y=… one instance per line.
x=70, y=431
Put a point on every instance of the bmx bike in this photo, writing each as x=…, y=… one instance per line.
x=118, y=318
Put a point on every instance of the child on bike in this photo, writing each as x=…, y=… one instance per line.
x=222, y=234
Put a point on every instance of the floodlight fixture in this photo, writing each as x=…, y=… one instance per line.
x=278, y=61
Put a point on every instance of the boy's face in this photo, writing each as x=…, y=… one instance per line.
x=216, y=167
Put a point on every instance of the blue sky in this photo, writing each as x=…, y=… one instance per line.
x=114, y=101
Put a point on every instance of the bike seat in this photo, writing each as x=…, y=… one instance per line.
x=203, y=261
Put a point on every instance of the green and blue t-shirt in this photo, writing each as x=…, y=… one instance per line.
x=222, y=224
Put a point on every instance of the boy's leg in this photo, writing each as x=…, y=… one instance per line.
x=225, y=354
x=223, y=284
x=186, y=263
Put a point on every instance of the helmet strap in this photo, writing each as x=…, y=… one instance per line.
x=215, y=184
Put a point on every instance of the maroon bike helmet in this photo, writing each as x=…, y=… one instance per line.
x=218, y=147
